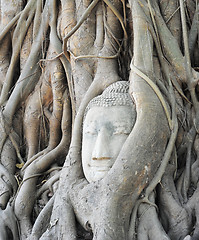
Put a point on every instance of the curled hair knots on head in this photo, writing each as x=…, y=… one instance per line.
x=116, y=94
x=117, y=87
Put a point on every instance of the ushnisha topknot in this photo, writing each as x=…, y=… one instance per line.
x=116, y=94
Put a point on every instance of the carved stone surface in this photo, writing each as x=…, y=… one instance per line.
x=108, y=121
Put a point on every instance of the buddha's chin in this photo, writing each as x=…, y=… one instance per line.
x=97, y=174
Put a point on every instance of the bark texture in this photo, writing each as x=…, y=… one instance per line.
x=55, y=56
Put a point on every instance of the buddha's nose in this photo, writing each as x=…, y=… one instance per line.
x=101, y=148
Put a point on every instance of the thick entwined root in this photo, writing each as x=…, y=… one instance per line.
x=19, y=34
x=8, y=186
x=37, y=167
x=42, y=221
x=8, y=224
x=149, y=226
x=54, y=106
x=176, y=218
x=30, y=74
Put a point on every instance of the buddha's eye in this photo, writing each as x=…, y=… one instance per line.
x=90, y=129
x=121, y=131
x=91, y=132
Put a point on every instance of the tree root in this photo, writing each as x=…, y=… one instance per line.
x=9, y=177
x=48, y=184
x=8, y=224
x=20, y=34
x=37, y=168
x=8, y=27
x=156, y=90
x=157, y=178
x=42, y=221
x=149, y=226
x=176, y=217
x=84, y=16
x=29, y=75
x=119, y=17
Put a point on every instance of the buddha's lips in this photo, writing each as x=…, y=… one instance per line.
x=101, y=158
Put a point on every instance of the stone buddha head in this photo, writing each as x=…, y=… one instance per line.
x=108, y=120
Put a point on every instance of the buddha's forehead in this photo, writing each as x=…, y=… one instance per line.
x=114, y=114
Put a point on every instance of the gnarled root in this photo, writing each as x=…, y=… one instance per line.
x=149, y=226
x=8, y=186
x=26, y=195
x=8, y=224
x=177, y=218
x=42, y=221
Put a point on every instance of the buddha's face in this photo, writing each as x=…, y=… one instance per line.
x=105, y=130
